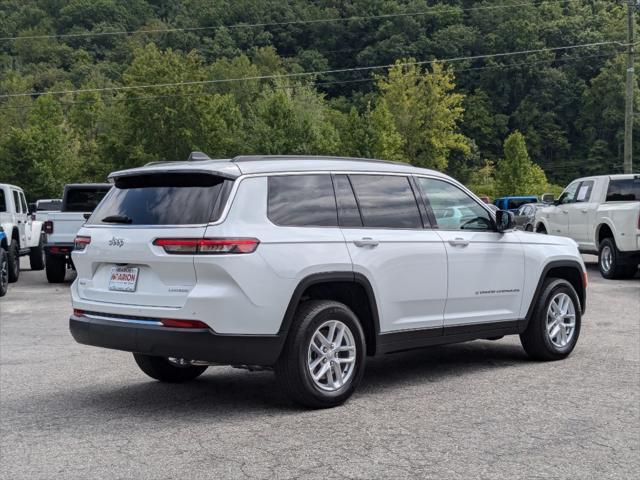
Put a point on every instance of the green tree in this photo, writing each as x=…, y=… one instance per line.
x=43, y=156
x=291, y=120
x=426, y=111
x=516, y=174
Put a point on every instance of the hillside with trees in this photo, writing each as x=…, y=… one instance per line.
x=506, y=95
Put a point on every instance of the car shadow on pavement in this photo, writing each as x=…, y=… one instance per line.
x=222, y=393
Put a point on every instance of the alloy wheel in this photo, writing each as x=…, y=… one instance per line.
x=561, y=320
x=606, y=258
x=331, y=356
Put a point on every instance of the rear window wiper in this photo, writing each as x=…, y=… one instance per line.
x=117, y=219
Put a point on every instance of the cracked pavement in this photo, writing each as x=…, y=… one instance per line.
x=474, y=410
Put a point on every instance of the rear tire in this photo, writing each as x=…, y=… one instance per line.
x=4, y=272
x=56, y=267
x=36, y=256
x=538, y=340
x=610, y=263
x=159, y=368
x=342, y=362
x=14, y=261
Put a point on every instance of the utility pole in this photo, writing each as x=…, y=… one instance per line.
x=628, y=110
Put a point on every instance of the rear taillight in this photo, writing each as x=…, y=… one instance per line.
x=77, y=312
x=81, y=242
x=47, y=226
x=207, y=246
x=638, y=221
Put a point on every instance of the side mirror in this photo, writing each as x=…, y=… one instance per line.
x=86, y=216
x=548, y=198
x=505, y=220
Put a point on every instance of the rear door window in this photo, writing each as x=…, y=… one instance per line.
x=624, y=190
x=3, y=202
x=16, y=201
x=162, y=199
x=386, y=201
x=83, y=199
x=348, y=212
x=302, y=201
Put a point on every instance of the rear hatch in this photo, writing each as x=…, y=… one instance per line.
x=121, y=264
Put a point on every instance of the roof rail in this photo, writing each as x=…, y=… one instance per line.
x=251, y=158
x=197, y=156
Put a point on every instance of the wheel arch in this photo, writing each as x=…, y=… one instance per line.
x=540, y=223
x=604, y=230
x=352, y=289
x=569, y=270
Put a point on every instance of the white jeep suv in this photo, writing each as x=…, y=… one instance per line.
x=309, y=265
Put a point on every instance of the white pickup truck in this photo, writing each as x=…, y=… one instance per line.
x=78, y=201
x=23, y=235
x=602, y=214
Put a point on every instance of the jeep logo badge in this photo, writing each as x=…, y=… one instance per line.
x=116, y=242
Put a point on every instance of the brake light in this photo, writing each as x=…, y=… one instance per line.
x=77, y=312
x=81, y=242
x=172, y=322
x=638, y=221
x=207, y=246
x=48, y=227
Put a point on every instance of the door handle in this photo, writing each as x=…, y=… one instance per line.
x=459, y=242
x=366, y=242
x=584, y=210
x=565, y=211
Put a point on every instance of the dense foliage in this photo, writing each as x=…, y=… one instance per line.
x=498, y=123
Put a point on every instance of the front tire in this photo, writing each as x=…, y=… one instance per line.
x=323, y=359
x=56, y=268
x=4, y=272
x=160, y=368
x=14, y=261
x=610, y=263
x=554, y=327
x=36, y=256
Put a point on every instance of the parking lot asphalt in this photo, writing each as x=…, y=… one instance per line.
x=474, y=410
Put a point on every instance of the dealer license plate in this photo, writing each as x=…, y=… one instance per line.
x=123, y=279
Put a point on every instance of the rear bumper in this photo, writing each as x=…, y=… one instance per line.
x=194, y=344
x=58, y=248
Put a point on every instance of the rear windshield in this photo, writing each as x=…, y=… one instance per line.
x=163, y=199
x=48, y=205
x=83, y=199
x=626, y=190
x=517, y=203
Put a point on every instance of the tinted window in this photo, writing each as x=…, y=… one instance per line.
x=161, y=199
x=517, y=203
x=48, y=205
x=386, y=201
x=83, y=199
x=3, y=202
x=23, y=201
x=569, y=193
x=302, y=201
x=348, y=213
x=16, y=201
x=454, y=209
x=584, y=192
x=624, y=190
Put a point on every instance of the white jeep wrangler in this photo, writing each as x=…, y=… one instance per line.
x=308, y=265
x=23, y=235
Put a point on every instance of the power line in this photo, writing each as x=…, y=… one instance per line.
x=316, y=84
x=305, y=74
x=274, y=24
